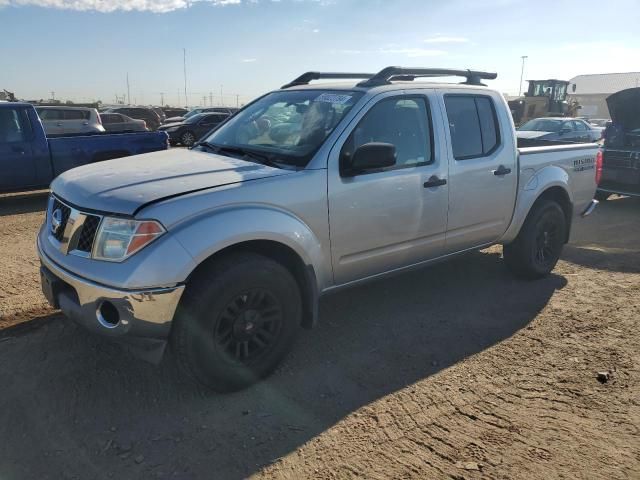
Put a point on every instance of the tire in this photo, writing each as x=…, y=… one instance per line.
x=228, y=314
x=602, y=196
x=537, y=248
x=187, y=139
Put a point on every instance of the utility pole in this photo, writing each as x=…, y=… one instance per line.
x=211, y=99
x=162, y=99
x=178, y=97
x=523, y=57
x=184, y=64
x=128, y=91
x=53, y=96
x=237, y=100
x=221, y=99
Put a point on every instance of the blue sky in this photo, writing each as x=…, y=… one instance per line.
x=83, y=49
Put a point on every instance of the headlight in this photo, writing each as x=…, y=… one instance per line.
x=119, y=238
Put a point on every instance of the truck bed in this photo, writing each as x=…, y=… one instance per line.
x=70, y=151
x=577, y=160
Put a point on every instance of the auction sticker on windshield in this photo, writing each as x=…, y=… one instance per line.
x=333, y=98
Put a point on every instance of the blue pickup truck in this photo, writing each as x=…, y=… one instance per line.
x=29, y=160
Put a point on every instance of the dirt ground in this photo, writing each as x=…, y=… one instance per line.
x=457, y=371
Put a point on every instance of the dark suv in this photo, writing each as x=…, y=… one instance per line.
x=141, y=113
x=621, y=153
x=191, y=129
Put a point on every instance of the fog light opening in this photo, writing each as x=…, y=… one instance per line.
x=108, y=315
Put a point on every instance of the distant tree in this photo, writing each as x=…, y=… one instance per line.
x=68, y=102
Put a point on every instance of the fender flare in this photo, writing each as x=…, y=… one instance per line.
x=548, y=179
x=214, y=231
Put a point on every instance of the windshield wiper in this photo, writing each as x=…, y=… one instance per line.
x=245, y=154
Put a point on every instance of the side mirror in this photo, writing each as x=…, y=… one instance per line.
x=370, y=156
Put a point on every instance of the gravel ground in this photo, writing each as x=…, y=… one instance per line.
x=457, y=371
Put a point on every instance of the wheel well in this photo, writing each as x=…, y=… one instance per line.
x=560, y=196
x=285, y=256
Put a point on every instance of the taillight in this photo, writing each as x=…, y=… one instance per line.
x=599, y=158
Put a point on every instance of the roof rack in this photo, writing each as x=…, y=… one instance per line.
x=306, y=77
x=388, y=74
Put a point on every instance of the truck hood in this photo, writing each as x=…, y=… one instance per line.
x=127, y=184
x=624, y=108
x=530, y=134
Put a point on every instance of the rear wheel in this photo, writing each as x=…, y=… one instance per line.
x=538, y=246
x=236, y=321
x=188, y=139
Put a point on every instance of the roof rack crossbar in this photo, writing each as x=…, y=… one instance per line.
x=307, y=77
x=385, y=75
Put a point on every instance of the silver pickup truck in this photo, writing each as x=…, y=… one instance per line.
x=224, y=249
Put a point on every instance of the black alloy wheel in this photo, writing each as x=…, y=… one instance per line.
x=248, y=326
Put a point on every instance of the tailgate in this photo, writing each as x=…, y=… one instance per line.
x=621, y=170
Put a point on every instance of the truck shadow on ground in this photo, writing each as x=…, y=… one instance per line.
x=15, y=204
x=75, y=404
x=614, y=245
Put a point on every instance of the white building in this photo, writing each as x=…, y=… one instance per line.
x=591, y=91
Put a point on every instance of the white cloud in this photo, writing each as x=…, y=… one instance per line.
x=157, y=6
x=248, y=60
x=445, y=39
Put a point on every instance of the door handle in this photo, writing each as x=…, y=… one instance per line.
x=59, y=124
x=502, y=170
x=434, y=181
x=19, y=150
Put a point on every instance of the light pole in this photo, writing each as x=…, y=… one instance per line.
x=184, y=64
x=523, y=57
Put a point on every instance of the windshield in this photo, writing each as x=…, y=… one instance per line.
x=192, y=113
x=542, y=125
x=289, y=125
x=193, y=118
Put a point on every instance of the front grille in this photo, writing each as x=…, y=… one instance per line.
x=80, y=228
x=88, y=233
x=65, y=211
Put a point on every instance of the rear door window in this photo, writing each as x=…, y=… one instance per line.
x=580, y=126
x=76, y=115
x=14, y=125
x=213, y=119
x=473, y=125
x=50, y=114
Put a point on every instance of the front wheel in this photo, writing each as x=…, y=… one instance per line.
x=538, y=246
x=187, y=139
x=236, y=321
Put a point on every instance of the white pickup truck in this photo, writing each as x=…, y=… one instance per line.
x=224, y=249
